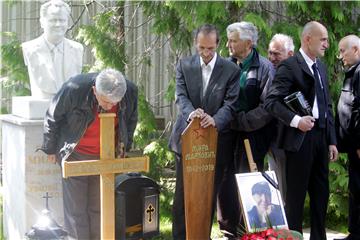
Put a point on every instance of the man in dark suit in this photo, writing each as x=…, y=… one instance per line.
x=308, y=141
x=206, y=88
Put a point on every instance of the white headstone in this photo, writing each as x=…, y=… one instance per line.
x=27, y=176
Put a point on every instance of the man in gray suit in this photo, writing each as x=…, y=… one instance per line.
x=206, y=87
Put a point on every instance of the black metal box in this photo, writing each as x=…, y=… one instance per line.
x=137, y=207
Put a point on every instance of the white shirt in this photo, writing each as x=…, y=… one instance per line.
x=315, y=110
x=206, y=70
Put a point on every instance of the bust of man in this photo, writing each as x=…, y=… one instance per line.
x=51, y=58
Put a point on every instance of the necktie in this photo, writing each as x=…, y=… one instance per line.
x=320, y=96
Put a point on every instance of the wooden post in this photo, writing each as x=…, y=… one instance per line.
x=199, y=159
x=106, y=167
x=252, y=164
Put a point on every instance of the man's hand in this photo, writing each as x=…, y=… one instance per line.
x=306, y=123
x=120, y=150
x=51, y=158
x=199, y=113
x=358, y=153
x=333, y=153
x=207, y=121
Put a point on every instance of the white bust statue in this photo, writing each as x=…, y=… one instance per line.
x=51, y=58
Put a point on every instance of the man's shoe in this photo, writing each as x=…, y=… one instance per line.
x=228, y=235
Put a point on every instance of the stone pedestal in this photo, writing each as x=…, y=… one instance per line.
x=27, y=176
x=29, y=107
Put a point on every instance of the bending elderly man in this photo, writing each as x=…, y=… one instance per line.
x=71, y=133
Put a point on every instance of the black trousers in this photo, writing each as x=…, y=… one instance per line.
x=307, y=171
x=81, y=197
x=277, y=163
x=354, y=194
x=224, y=184
x=228, y=205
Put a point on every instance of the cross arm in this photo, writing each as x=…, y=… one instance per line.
x=104, y=166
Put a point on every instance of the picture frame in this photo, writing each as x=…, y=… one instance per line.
x=261, y=202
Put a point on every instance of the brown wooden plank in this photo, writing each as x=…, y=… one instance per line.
x=252, y=164
x=96, y=167
x=107, y=213
x=107, y=181
x=198, y=158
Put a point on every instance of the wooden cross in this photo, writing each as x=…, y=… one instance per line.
x=106, y=167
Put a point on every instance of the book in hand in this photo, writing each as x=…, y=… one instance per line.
x=298, y=104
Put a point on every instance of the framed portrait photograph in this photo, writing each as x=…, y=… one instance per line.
x=261, y=201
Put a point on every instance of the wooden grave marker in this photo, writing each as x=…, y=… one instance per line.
x=199, y=159
x=106, y=167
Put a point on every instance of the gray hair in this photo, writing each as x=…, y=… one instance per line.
x=246, y=30
x=351, y=41
x=286, y=40
x=55, y=3
x=111, y=84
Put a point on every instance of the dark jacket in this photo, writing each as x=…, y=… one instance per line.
x=294, y=75
x=131, y=111
x=256, y=124
x=275, y=218
x=71, y=112
x=219, y=99
x=259, y=79
x=348, y=111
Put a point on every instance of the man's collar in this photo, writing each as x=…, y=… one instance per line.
x=211, y=63
x=307, y=59
x=351, y=69
x=248, y=58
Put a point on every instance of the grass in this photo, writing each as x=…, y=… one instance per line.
x=166, y=226
x=166, y=200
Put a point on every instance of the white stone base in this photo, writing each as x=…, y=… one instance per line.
x=30, y=107
x=27, y=176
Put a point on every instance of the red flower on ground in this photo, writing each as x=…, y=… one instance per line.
x=273, y=234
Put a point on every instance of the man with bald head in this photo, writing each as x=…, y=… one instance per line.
x=348, y=125
x=308, y=141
